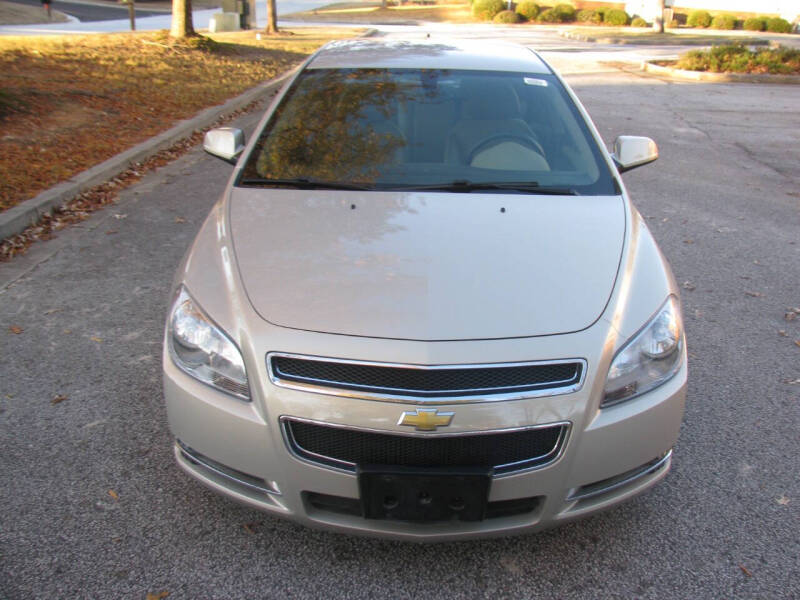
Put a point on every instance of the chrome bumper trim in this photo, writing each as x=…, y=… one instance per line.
x=616, y=482
x=194, y=457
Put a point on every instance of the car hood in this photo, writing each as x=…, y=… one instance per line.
x=427, y=266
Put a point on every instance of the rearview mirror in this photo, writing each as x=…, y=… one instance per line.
x=226, y=143
x=631, y=151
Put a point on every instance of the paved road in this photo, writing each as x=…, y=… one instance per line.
x=722, y=201
x=90, y=12
x=99, y=17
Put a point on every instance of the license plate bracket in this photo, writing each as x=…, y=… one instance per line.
x=424, y=495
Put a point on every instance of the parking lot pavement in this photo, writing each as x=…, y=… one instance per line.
x=93, y=505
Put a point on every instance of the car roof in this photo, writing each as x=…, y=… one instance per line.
x=428, y=54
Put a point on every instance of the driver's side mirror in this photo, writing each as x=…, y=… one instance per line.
x=226, y=143
x=631, y=151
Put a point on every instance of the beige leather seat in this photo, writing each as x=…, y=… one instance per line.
x=491, y=133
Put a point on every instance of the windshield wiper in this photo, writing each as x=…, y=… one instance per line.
x=463, y=185
x=302, y=183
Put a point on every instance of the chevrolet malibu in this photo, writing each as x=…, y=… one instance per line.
x=424, y=307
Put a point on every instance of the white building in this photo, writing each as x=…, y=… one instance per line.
x=788, y=9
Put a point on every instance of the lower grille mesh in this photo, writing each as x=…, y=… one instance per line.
x=346, y=448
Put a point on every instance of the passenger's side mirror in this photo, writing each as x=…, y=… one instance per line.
x=631, y=151
x=226, y=143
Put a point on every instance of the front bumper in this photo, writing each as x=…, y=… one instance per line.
x=239, y=449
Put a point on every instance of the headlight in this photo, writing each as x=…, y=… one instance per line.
x=202, y=350
x=649, y=358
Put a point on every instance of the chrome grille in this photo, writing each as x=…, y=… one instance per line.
x=424, y=382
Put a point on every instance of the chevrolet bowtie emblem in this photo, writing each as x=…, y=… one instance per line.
x=426, y=419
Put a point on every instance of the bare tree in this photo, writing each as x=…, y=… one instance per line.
x=182, y=25
x=272, y=17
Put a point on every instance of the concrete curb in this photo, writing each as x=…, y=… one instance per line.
x=17, y=218
x=623, y=41
x=651, y=67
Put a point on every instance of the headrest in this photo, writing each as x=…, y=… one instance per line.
x=490, y=102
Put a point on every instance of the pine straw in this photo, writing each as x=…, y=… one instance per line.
x=83, y=205
x=70, y=102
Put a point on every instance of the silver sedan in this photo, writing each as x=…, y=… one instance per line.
x=425, y=307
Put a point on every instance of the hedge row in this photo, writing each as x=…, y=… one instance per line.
x=702, y=18
x=496, y=10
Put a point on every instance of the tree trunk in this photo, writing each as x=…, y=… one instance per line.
x=182, y=19
x=659, y=24
x=272, y=17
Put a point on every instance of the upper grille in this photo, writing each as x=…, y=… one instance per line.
x=504, y=451
x=424, y=381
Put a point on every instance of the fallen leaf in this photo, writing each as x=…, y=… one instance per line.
x=754, y=294
x=159, y=596
x=688, y=241
x=688, y=285
x=745, y=571
x=59, y=398
x=68, y=331
x=251, y=527
x=782, y=332
x=94, y=338
x=180, y=220
x=792, y=381
x=53, y=310
x=119, y=216
x=112, y=231
x=783, y=500
x=15, y=330
x=790, y=316
x=113, y=494
x=797, y=343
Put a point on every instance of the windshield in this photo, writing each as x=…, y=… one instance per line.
x=388, y=129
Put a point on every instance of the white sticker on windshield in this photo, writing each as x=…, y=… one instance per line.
x=532, y=81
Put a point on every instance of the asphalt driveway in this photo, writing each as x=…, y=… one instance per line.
x=93, y=506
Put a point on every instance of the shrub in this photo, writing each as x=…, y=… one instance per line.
x=548, y=16
x=699, y=18
x=566, y=12
x=616, y=16
x=560, y=13
x=778, y=25
x=487, y=9
x=723, y=22
x=588, y=15
x=528, y=10
x=507, y=16
x=638, y=22
x=755, y=24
